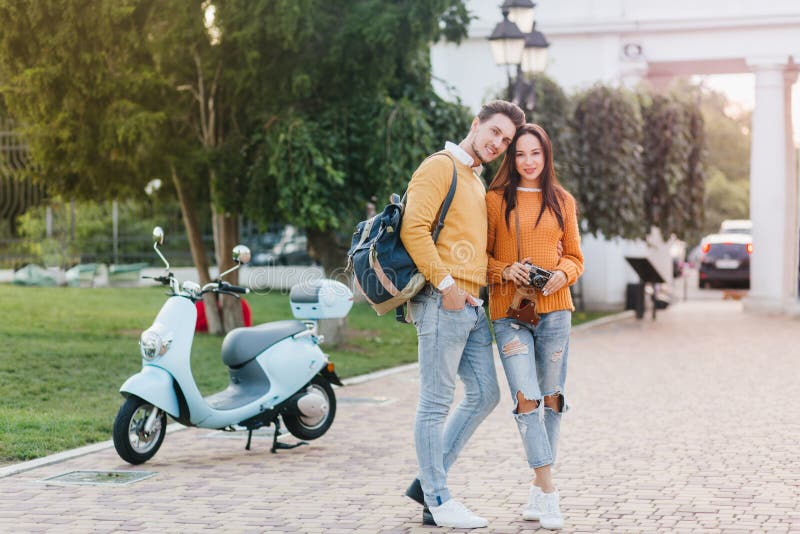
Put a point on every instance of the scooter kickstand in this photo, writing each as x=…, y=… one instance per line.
x=278, y=445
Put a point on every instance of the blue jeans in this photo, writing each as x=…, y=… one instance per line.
x=450, y=343
x=535, y=361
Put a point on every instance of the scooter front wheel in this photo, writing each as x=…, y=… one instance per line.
x=312, y=415
x=133, y=443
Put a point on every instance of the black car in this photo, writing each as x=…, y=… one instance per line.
x=725, y=260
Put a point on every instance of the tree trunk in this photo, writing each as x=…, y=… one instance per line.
x=334, y=330
x=198, y=253
x=227, y=234
x=324, y=246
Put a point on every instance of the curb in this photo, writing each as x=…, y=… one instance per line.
x=360, y=379
x=16, y=469
x=608, y=319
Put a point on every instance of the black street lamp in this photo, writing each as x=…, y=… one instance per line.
x=515, y=41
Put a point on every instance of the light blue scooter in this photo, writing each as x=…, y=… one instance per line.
x=277, y=370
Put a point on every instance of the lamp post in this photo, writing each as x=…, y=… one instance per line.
x=516, y=42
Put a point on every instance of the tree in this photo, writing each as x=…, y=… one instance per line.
x=82, y=87
x=100, y=118
x=115, y=93
x=608, y=167
x=727, y=193
x=356, y=118
x=724, y=199
x=693, y=201
x=672, y=155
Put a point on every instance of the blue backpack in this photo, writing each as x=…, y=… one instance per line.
x=382, y=268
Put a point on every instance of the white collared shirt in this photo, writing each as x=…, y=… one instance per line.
x=462, y=156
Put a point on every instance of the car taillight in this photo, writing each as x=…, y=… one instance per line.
x=706, y=248
x=749, y=248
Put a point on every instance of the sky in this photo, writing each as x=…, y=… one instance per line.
x=740, y=89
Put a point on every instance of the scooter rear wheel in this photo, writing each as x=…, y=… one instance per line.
x=312, y=426
x=133, y=444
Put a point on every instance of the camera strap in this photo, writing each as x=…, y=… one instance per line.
x=516, y=219
x=523, y=305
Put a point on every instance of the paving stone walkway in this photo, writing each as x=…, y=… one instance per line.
x=690, y=423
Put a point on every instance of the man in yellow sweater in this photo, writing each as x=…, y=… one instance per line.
x=452, y=328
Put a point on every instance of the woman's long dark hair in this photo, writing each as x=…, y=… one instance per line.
x=508, y=178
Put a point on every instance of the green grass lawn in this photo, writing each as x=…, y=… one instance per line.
x=65, y=352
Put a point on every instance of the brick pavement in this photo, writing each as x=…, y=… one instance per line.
x=686, y=424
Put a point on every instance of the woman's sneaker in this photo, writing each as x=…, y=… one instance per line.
x=531, y=511
x=549, y=513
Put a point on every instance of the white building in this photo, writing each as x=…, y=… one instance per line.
x=626, y=41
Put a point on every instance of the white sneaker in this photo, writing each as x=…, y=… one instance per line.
x=454, y=514
x=531, y=512
x=549, y=513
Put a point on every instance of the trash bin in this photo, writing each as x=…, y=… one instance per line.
x=634, y=298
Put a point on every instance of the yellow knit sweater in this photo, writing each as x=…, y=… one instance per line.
x=461, y=248
x=539, y=244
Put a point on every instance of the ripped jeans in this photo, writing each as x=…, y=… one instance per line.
x=535, y=361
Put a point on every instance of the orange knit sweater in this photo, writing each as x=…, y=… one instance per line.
x=539, y=244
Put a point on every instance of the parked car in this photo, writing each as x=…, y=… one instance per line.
x=290, y=249
x=725, y=260
x=293, y=252
x=736, y=226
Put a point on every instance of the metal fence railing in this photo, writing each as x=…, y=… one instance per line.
x=16, y=253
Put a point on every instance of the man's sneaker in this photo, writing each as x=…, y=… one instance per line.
x=531, y=512
x=456, y=515
x=427, y=517
x=415, y=492
x=549, y=514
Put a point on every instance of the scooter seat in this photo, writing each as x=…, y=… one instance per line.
x=243, y=344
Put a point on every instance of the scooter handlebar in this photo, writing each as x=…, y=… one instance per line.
x=238, y=289
x=225, y=288
x=230, y=288
x=160, y=279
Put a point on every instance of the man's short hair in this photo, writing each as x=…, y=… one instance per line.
x=509, y=109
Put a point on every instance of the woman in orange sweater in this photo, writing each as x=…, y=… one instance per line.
x=529, y=215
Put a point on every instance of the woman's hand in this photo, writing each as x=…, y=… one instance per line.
x=556, y=282
x=517, y=272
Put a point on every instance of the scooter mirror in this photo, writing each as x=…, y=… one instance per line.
x=241, y=254
x=158, y=235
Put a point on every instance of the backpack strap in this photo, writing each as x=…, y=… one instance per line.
x=447, y=199
x=446, y=204
x=400, y=311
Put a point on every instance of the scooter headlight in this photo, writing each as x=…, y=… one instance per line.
x=153, y=344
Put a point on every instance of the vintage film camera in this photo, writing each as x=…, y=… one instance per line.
x=538, y=277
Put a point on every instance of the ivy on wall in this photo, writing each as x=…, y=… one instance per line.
x=608, y=167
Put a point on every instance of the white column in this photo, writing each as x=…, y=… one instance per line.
x=793, y=196
x=773, y=262
x=792, y=304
